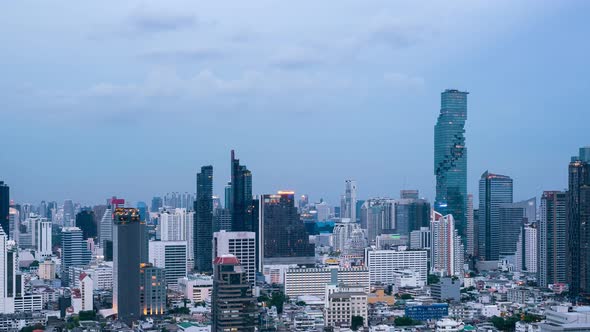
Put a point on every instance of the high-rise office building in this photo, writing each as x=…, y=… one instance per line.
x=409, y=194
x=8, y=268
x=227, y=196
x=172, y=224
x=527, y=249
x=494, y=190
x=4, y=207
x=470, y=233
x=156, y=204
x=447, y=248
x=285, y=239
x=240, y=244
x=143, y=210
x=85, y=222
x=348, y=202
x=74, y=251
x=170, y=256
x=130, y=251
x=233, y=306
x=513, y=216
x=69, y=213
x=153, y=290
x=203, y=226
x=378, y=214
x=383, y=263
x=552, y=238
x=578, y=225
x=411, y=214
x=450, y=158
x=221, y=220
x=243, y=206
x=342, y=232
x=14, y=224
x=43, y=239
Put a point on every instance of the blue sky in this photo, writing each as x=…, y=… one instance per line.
x=131, y=98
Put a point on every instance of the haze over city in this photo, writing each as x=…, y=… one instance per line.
x=132, y=98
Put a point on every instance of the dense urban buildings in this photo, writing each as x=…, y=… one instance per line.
x=450, y=158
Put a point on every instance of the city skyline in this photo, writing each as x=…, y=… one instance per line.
x=86, y=124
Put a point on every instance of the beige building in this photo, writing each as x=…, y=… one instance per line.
x=46, y=270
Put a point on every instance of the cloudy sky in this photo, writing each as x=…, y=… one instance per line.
x=131, y=97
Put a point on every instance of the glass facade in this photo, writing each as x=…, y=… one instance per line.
x=494, y=191
x=203, y=226
x=450, y=158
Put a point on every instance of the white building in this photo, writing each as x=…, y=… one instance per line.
x=526, y=259
x=42, y=242
x=447, y=248
x=348, y=203
x=449, y=325
x=196, y=288
x=240, y=244
x=105, y=228
x=420, y=239
x=312, y=281
x=171, y=256
x=342, y=303
x=8, y=266
x=562, y=318
x=47, y=270
x=323, y=211
x=275, y=274
x=342, y=232
x=172, y=225
x=82, y=298
x=378, y=216
x=383, y=263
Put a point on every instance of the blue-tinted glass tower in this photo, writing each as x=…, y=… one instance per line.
x=450, y=158
x=495, y=191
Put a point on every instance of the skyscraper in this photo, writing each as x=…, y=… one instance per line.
x=130, y=250
x=8, y=268
x=552, y=238
x=470, y=233
x=170, y=256
x=348, y=203
x=285, y=239
x=240, y=244
x=378, y=214
x=242, y=204
x=74, y=251
x=513, y=216
x=447, y=248
x=233, y=306
x=156, y=204
x=494, y=190
x=411, y=214
x=4, y=207
x=85, y=221
x=203, y=234
x=450, y=158
x=153, y=290
x=578, y=225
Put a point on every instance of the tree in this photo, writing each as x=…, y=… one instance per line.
x=356, y=322
x=301, y=303
x=87, y=315
x=32, y=328
x=505, y=324
x=405, y=321
x=406, y=296
x=433, y=279
x=277, y=300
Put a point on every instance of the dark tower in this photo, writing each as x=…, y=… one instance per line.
x=85, y=220
x=242, y=203
x=130, y=249
x=203, y=226
x=4, y=207
x=234, y=307
x=578, y=222
x=285, y=238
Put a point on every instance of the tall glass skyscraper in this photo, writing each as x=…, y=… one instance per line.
x=494, y=191
x=578, y=226
x=4, y=207
x=450, y=158
x=203, y=227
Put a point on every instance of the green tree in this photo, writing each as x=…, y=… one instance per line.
x=433, y=279
x=406, y=296
x=301, y=303
x=32, y=328
x=356, y=322
x=277, y=300
x=405, y=321
x=504, y=324
x=87, y=315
